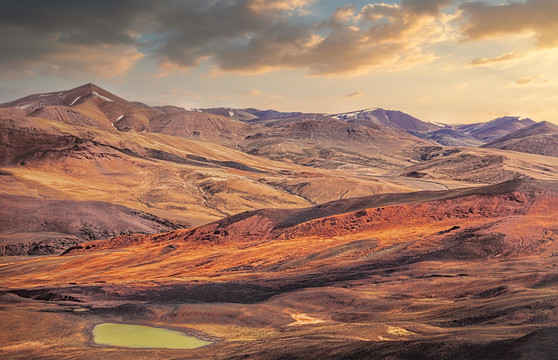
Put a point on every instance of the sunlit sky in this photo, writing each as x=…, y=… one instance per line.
x=439, y=60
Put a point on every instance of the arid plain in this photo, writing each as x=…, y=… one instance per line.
x=369, y=234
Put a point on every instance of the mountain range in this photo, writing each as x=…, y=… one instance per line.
x=219, y=162
x=274, y=234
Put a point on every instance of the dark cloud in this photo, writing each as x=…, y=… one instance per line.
x=237, y=35
x=77, y=22
x=70, y=36
x=537, y=16
x=425, y=7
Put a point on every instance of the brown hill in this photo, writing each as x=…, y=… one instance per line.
x=390, y=118
x=93, y=106
x=69, y=116
x=197, y=125
x=449, y=137
x=320, y=141
x=172, y=177
x=479, y=166
x=34, y=226
x=237, y=114
x=263, y=115
x=340, y=218
x=540, y=138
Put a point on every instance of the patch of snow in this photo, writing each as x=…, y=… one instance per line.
x=231, y=113
x=120, y=117
x=23, y=107
x=353, y=114
x=43, y=95
x=75, y=100
x=101, y=96
x=59, y=94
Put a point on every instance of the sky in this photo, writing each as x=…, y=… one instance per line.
x=438, y=60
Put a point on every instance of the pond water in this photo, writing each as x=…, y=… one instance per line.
x=141, y=336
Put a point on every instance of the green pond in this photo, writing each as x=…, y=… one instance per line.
x=141, y=336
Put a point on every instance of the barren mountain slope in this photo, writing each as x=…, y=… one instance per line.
x=390, y=118
x=481, y=166
x=94, y=106
x=34, y=226
x=494, y=129
x=324, y=142
x=449, y=137
x=473, y=135
x=540, y=138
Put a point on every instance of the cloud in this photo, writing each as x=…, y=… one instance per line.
x=69, y=37
x=244, y=36
x=179, y=93
x=355, y=94
x=497, y=59
x=267, y=5
x=536, y=79
x=425, y=7
x=533, y=16
x=348, y=42
x=524, y=81
x=251, y=92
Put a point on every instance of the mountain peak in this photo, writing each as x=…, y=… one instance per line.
x=90, y=89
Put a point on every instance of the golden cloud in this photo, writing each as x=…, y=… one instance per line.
x=283, y=5
x=250, y=92
x=524, y=81
x=355, y=94
x=497, y=59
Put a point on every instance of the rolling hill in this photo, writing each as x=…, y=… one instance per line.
x=448, y=272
